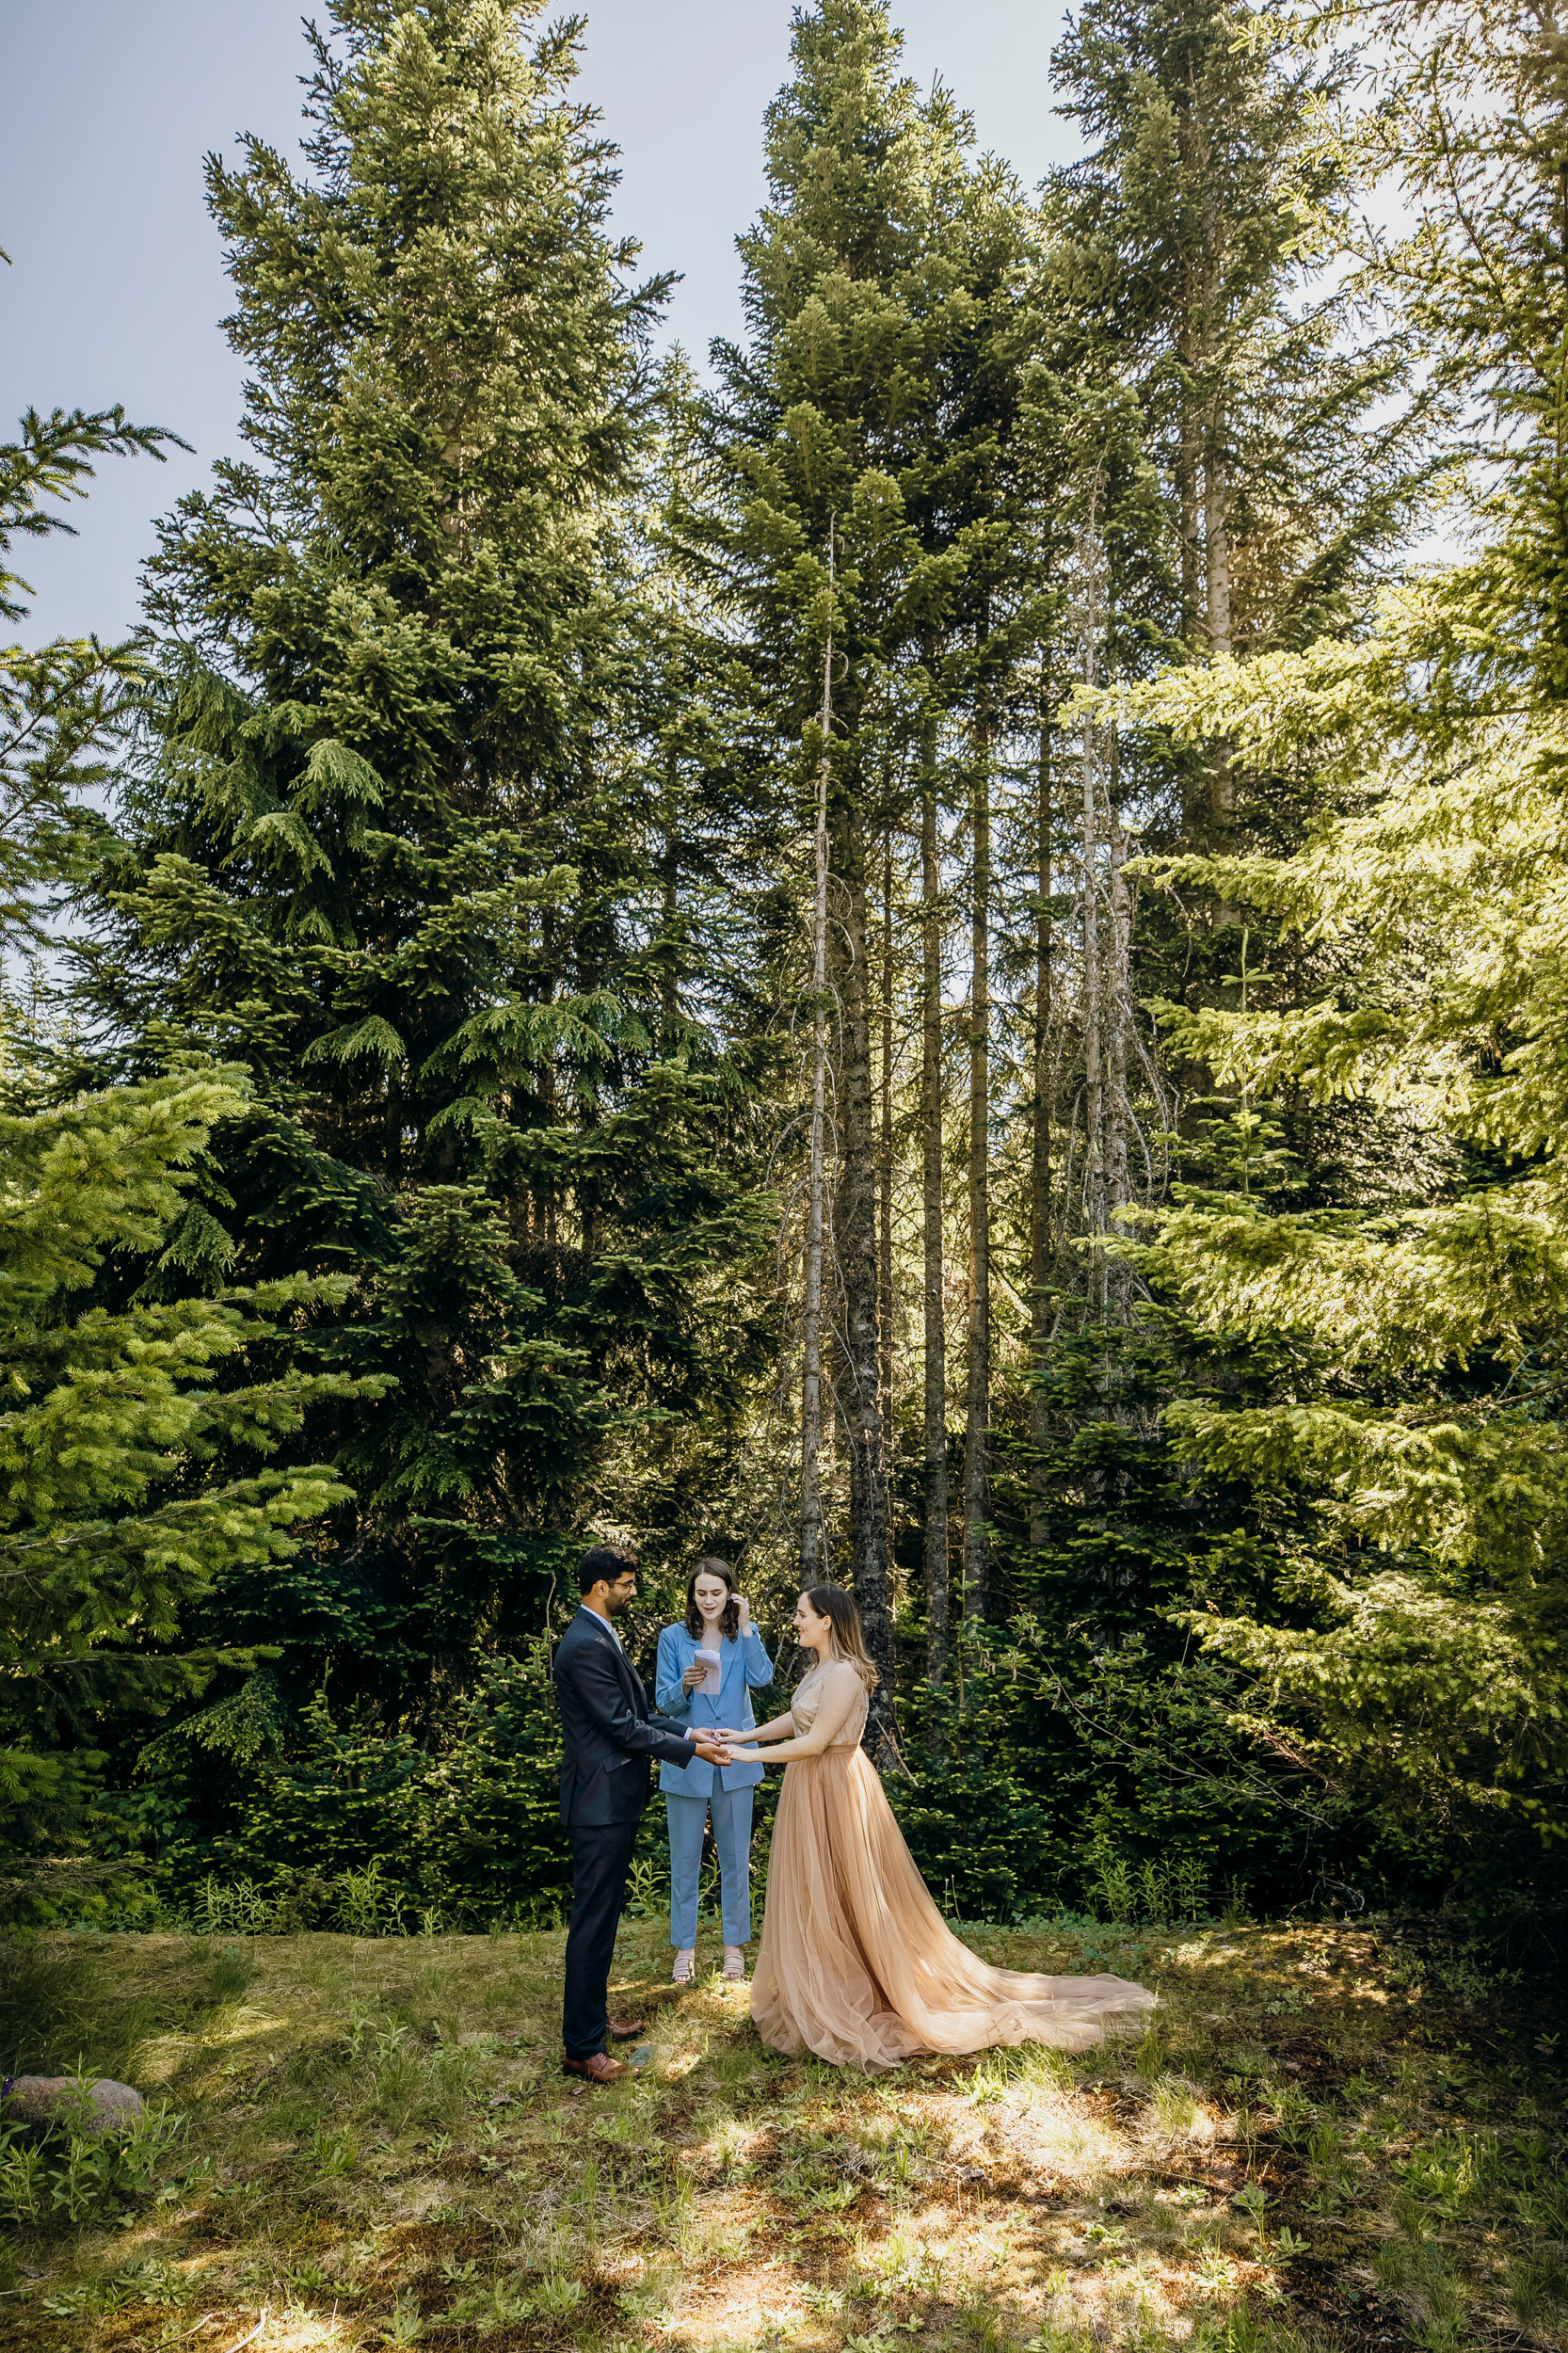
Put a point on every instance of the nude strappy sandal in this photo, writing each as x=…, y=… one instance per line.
x=684, y=1964
x=734, y=1962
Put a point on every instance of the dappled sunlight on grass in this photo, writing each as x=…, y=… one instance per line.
x=1309, y=2144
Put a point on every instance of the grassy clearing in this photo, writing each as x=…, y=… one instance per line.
x=1317, y=2141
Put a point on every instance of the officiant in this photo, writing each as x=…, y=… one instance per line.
x=707, y=1668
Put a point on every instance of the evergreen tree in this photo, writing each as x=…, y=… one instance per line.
x=1422, y=1425
x=125, y=1504
x=61, y=705
x=863, y=436
x=1206, y=252
x=1197, y=237
x=126, y=1428
x=395, y=847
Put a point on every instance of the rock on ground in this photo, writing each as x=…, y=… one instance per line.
x=103, y=2107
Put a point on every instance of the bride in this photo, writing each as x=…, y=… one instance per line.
x=856, y=1964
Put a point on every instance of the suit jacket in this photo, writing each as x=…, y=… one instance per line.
x=745, y=1667
x=608, y=1738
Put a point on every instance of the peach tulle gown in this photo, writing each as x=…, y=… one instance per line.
x=858, y=1964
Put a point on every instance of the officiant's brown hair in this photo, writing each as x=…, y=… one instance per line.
x=730, y=1622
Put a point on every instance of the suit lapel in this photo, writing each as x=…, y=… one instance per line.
x=629, y=1672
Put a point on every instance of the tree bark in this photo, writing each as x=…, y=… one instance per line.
x=810, y=1378
x=1217, y=547
x=935, y=1400
x=669, y=968
x=978, y=1402
x=1118, y=1002
x=1217, y=558
x=1040, y=1139
x=1185, y=470
x=885, y=1236
x=855, y=1232
x=1094, y=1088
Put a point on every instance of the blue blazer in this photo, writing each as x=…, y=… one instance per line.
x=745, y=1669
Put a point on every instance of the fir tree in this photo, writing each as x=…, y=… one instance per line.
x=865, y=437
x=394, y=844
x=1423, y=1423
x=129, y=1418
x=61, y=705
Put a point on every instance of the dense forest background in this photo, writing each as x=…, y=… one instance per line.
x=936, y=956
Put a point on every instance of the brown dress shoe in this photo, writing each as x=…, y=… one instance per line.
x=622, y=2030
x=599, y=2069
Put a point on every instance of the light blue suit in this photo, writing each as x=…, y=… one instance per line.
x=694, y=1791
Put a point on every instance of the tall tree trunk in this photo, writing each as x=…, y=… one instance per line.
x=978, y=1402
x=1118, y=1001
x=854, y=1234
x=1040, y=1138
x=1094, y=1088
x=810, y=1378
x=669, y=968
x=1217, y=546
x=1186, y=472
x=885, y=1250
x=1217, y=557
x=931, y=1215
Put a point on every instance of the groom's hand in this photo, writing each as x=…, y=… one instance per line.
x=712, y=1750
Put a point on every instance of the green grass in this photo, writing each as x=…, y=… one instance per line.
x=1315, y=2143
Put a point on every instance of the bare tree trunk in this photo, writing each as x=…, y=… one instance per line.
x=1118, y=1001
x=930, y=1213
x=884, y=1251
x=810, y=1379
x=1217, y=550
x=1187, y=501
x=1217, y=543
x=669, y=992
x=855, y=1232
x=978, y=1403
x=1094, y=1089
x=1040, y=1140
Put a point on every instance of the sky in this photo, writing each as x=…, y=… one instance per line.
x=115, y=285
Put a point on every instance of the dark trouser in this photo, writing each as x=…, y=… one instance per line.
x=601, y=1859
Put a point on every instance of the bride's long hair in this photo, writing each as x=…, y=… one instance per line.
x=849, y=1636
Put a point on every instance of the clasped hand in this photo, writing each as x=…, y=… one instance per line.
x=724, y=1744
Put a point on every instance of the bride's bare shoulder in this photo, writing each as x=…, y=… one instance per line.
x=840, y=1674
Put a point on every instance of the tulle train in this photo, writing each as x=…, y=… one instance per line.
x=858, y=1964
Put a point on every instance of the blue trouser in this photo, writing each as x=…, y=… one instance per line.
x=731, y=1812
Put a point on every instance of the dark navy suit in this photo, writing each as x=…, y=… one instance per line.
x=609, y=1741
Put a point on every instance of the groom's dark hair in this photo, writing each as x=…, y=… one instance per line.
x=603, y=1561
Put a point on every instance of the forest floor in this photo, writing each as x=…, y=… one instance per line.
x=1328, y=2135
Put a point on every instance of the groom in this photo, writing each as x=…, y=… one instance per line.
x=609, y=1739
